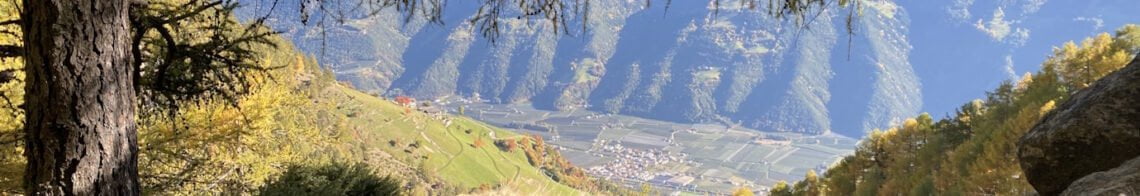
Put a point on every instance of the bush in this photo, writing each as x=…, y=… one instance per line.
x=479, y=143
x=507, y=145
x=332, y=179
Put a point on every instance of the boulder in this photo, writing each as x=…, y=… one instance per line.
x=1097, y=129
x=1124, y=180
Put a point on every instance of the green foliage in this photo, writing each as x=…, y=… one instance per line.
x=742, y=191
x=1095, y=57
x=1128, y=37
x=190, y=50
x=781, y=189
x=925, y=187
x=331, y=179
x=551, y=161
x=973, y=152
x=214, y=146
x=809, y=186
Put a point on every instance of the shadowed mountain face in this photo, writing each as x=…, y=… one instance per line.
x=685, y=64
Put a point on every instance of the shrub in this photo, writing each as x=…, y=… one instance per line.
x=478, y=142
x=331, y=179
x=507, y=145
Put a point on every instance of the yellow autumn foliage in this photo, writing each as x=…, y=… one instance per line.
x=11, y=117
x=209, y=144
x=973, y=151
x=212, y=145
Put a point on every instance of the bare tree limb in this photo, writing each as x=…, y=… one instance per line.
x=9, y=51
x=11, y=32
x=194, y=12
x=10, y=22
x=17, y=138
x=7, y=75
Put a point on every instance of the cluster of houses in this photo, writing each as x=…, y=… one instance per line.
x=432, y=108
x=676, y=181
x=630, y=163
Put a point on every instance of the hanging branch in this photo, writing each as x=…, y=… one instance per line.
x=195, y=51
x=10, y=51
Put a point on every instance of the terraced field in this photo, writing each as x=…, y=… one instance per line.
x=443, y=149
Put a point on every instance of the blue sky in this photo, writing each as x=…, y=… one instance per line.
x=960, y=49
x=958, y=61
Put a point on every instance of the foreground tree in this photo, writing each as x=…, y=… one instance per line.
x=92, y=65
x=80, y=126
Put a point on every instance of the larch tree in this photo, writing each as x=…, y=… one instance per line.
x=92, y=66
x=80, y=128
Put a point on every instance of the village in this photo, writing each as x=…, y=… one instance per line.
x=633, y=163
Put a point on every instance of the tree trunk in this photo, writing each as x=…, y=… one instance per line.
x=81, y=132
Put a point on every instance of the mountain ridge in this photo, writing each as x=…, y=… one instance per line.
x=737, y=65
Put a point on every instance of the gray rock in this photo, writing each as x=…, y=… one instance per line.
x=1097, y=129
x=1124, y=180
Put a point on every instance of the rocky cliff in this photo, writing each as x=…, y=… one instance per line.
x=1096, y=130
x=1122, y=180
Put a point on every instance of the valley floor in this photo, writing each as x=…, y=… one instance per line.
x=693, y=158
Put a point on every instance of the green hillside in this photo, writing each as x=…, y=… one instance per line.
x=436, y=153
x=445, y=150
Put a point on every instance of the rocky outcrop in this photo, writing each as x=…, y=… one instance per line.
x=1097, y=129
x=1124, y=180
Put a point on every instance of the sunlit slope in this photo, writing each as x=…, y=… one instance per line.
x=444, y=149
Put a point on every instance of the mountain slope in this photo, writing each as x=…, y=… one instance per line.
x=686, y=64
x=434, y=150
x=448, y=153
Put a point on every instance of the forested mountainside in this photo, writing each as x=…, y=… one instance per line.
x=297, y=117
x=685, y=64
x=973, y=152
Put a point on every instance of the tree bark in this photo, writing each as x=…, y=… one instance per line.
x=80, y=125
